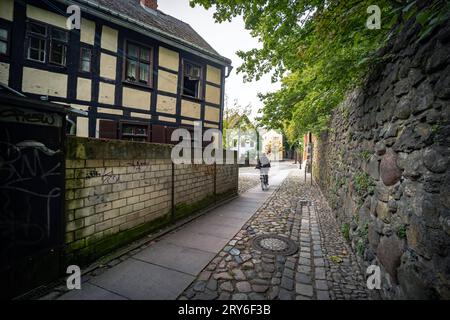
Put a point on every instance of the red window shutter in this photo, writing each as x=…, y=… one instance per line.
x=158, y=133
x=107, y=129
x=169, y=131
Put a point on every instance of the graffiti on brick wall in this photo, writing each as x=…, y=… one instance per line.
x=105, y=174
x=26, y=173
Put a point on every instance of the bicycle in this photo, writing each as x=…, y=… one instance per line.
x=264, y=166
x=264, y=177
x=264, y=181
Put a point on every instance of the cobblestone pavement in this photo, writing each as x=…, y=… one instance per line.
x=247, y=182
x=323, y=268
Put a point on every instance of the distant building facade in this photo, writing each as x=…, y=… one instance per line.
x=137, y=72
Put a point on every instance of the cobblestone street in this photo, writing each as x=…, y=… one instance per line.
x=323, y=267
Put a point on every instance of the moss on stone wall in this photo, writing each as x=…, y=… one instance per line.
x=99, y=247
x=392, y=150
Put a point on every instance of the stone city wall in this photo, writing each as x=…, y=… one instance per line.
x=384, y=166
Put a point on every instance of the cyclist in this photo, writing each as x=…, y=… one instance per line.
x=264, y=166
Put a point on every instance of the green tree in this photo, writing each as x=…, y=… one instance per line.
x=320, y=49
x=235, y=117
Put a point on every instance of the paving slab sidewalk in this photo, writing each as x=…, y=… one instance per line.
x=163, y=270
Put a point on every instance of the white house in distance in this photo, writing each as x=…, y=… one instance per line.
x=245, y=142
x=272, y=144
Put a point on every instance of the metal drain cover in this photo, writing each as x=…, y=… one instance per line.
x=274, y=244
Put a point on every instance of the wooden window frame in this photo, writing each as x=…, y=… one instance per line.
x=30, y=35
x=84, y=47
x=138, y=60
x=48, y=42
x=200, y=93
x=135, y=124
x=7, y=40
x=52, y=42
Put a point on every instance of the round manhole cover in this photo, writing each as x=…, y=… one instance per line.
x=274, y=244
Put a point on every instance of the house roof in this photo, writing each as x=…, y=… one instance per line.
x=158, y=21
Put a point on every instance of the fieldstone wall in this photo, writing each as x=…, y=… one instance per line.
x=118, y=191
x=384, y=166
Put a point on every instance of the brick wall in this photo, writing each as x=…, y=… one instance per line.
x=118, y=191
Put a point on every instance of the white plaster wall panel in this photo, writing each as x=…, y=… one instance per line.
x=44, y=82
x=213, y=75
x=82, y=127
x=84, y=89
x=166, y=104
x=7, y=9
x=87, y=31
x=108, y=66
x=212, y=94
x=138, y=99
x=46, y=16
x=109, y=39
x=212, y=114
x=106, y=93
x=169, y=59
x=4, y=73
x=190, y=109
x=167, y=81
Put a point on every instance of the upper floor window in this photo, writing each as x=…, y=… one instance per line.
x=47, y=44
x=4, y=39
x=85, y=59
x=138, y=64
x=58, y=46
x=192, y=80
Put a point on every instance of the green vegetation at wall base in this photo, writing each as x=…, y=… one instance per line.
x=84, y=253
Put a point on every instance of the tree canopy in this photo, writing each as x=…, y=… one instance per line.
x=319, y=49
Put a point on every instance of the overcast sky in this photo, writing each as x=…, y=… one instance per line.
x=226, y=38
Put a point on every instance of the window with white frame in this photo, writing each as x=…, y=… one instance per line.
x=192, y=80
x=47, y=44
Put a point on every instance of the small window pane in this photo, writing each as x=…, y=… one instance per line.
x=141, y=130
x=59, y=35
x=3, y=34
x=143, y=73
x=36, y=50
x=58, y=53
x=34, y=54
x=3, y=47
x=85, y=60
x=190, y=87
x=35, y=43
x=192, y=71
x=38, y=29
x=187, y=69
x=145, y=55
x=132, y=51
x=131, y=70
x=195, y=72
x=128, y=129
x=85, y=66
